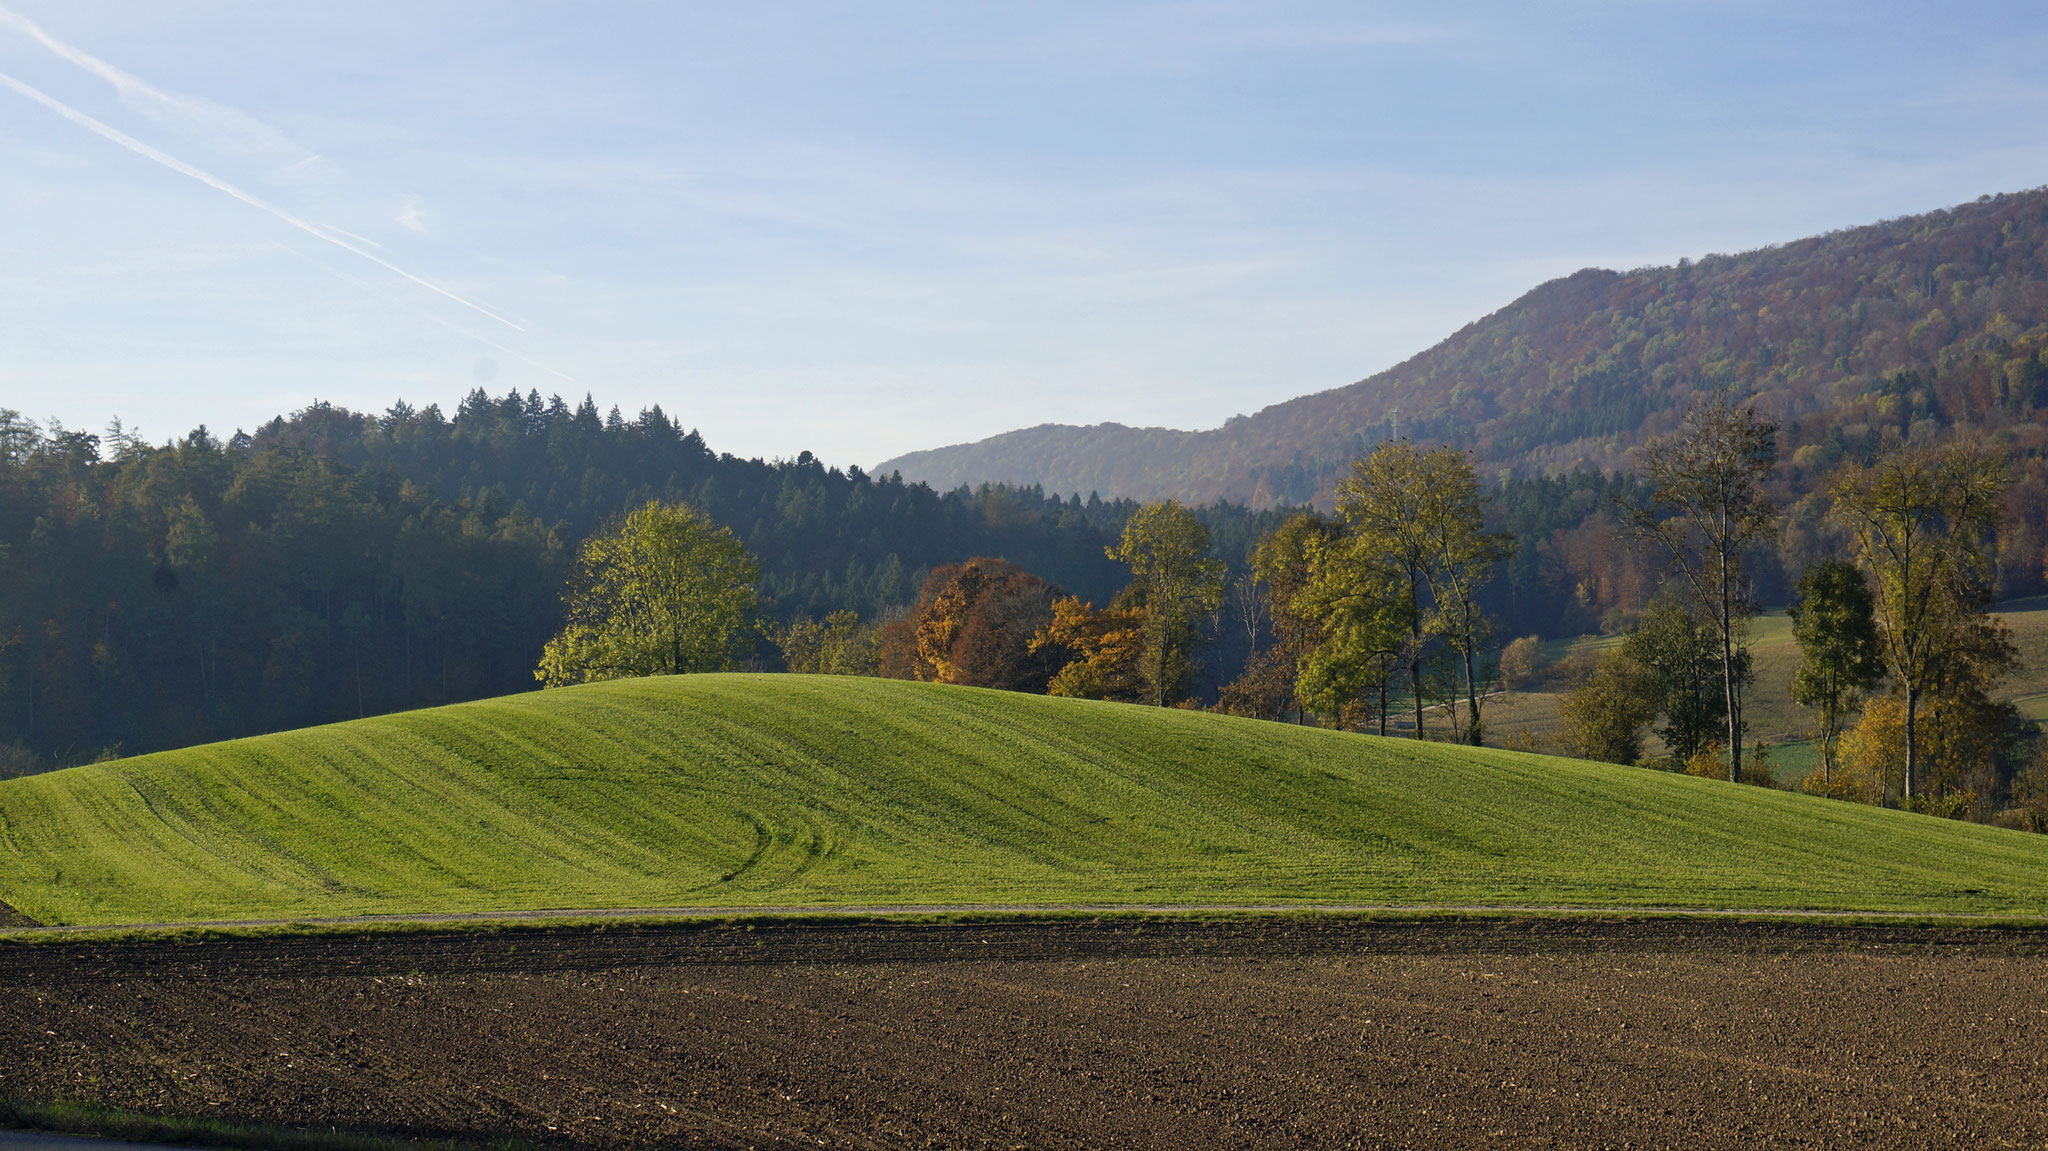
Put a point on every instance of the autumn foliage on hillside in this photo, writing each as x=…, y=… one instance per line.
x=1896, y=332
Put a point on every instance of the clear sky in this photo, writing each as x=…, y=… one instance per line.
x=865, y=228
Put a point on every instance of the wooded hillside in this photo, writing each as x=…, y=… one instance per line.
x=1908, y=327
x=336, y=564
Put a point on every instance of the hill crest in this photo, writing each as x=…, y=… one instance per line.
x=746, y=790
x=1939, y=317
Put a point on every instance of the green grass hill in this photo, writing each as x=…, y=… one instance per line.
x=754, y=790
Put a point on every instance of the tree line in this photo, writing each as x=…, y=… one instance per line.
x=334, y=564
x=1899, y=650
x=1381, y=603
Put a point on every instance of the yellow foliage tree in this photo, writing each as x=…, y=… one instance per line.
x=1106, y=650
x=1872, y=755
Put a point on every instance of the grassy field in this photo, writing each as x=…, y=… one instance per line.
x=749, y=790
x=1768, y=705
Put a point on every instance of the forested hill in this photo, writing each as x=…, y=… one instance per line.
x=1912, y=326
x=335, y=564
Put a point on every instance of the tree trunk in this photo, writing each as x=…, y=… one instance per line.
x=1415, y=649
x=1473, y=734
x=1912, y=741
x=1384, y=678
x=1728, y=680
x=1415, y=686
x=1828, y=724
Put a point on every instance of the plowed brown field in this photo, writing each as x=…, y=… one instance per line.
x=1273, y=1033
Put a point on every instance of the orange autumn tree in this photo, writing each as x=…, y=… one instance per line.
x=974, y=624
x=1104, y=650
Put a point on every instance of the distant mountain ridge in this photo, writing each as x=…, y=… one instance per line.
x=1900, y=328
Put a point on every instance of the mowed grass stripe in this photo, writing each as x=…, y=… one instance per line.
x=749, y=790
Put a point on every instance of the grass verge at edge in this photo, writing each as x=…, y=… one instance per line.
x=199, y=933
x=91, y=1119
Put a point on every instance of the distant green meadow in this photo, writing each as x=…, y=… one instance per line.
x=728, y=791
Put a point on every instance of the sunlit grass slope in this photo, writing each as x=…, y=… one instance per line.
x=748, y=790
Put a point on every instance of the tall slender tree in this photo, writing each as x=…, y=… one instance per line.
x=1174, y=582
x=1421, y=517
x=1451, y=509
x=1835, y=626
x=1710, y=508
x=1924, y=520
x=1377, y=501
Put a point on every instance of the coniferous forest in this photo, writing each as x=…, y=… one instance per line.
x=335, y=564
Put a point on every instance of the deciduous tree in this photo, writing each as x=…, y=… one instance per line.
x=1923, y=519
x=1836, y=629
x=1420, y=517
x=839, y=644
x=1101, y=653
x=1452, y=511
x=1603, y=718
x=1681, y=656
x=1280, y=569
x=1359, y=617
x=974, y=623
x=665, y=592
x=1174, y=582
x=1710, y=509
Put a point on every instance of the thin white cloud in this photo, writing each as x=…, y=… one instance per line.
x=1182, y=36
x=176, y=165
x=345, y=233
x=414, y=217
x=216, y=124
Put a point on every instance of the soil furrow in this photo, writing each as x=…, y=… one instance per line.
x=1276, y=1033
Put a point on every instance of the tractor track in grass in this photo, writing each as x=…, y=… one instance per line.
x=1281, y=1031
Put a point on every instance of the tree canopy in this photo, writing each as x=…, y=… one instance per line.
x=1712, y=507
x=1923, y=519
x=1174, y=581
x=1836, y=628
x=665, y=593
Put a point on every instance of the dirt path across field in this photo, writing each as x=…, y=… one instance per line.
x=1284, y=1032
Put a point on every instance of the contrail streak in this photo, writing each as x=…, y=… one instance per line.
x=223, y=124
x=215, y=182
x=430, y=317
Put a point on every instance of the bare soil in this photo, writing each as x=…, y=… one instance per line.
x=1283, y=1032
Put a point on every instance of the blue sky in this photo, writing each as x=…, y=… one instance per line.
x=861, y=229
